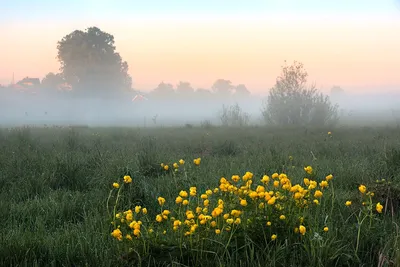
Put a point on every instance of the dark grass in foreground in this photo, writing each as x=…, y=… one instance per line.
x=54, y=184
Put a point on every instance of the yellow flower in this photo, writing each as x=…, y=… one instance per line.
x=181, y=161
x=235, y=178
x=318, y=194
x=193, y=191
x=348, y=203
x=128, y=236
x=269, y=223
x=243, y=202
x=144, y=210
x=316, y=202
x=308, y=169
x=175, y=165
x=161, y=201
x=273, y=237
x=127, y=179
x=117, y=234
x=362, y=188
x=129, y=217
x=159, y=218
x=166, y=167
x=185, y=202
x=271, y=201
x=265, y=179
x=217, y=231
x=178, y=200
x=282, y=217
x=326, y=229
x=323, y=184
x=329, y=177
x=229, y=221
x=302, y=229
x=329, y=133
x=136, y=232
x=166, y=212
x=379, y=207
x=183, y=193
x=137, y=209
x=197, y=161
x=116, y=185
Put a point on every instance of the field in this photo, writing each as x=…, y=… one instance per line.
x=57, y=194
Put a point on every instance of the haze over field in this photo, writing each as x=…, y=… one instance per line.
x=353, y=45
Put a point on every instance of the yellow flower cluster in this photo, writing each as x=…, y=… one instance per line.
x=368, y=195
x=235, y=203
x=274, y=201
x=127, y=180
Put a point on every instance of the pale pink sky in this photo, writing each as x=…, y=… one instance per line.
x=359, y=52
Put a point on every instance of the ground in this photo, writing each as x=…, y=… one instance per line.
x=54, y=184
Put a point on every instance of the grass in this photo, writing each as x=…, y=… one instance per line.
x=54, y=184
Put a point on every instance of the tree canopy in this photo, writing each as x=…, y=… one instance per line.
x=90, y=63
x=292, y=101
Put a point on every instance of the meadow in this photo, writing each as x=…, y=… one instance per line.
x=64, y=190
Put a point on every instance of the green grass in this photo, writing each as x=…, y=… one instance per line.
x=54, y=184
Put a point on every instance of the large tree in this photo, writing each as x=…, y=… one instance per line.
x=90, y=63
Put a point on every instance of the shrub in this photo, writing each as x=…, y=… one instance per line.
x=234, y=116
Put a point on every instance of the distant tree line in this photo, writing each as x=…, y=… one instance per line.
x=91, y=67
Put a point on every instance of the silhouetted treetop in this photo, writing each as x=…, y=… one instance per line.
x=90, y=63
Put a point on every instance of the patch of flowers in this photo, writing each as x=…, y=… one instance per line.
x=273, y=206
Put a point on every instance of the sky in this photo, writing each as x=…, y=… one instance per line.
x=353, y=44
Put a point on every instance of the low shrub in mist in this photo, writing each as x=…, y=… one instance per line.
x=234, y=116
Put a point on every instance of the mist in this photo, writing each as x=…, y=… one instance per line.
x=37, y=107
x=40, y=109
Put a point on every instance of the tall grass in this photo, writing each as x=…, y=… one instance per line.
x=54, y=184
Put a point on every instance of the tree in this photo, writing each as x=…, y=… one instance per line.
x=52, y=80
x=222, y=87
x=203, y=94
x=163, y=90
x=241, y=91
x=184, y=89
x=90, y=63
x=291, y=101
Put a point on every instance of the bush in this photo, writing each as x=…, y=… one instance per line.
x=292, y=102
x=234, y=116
